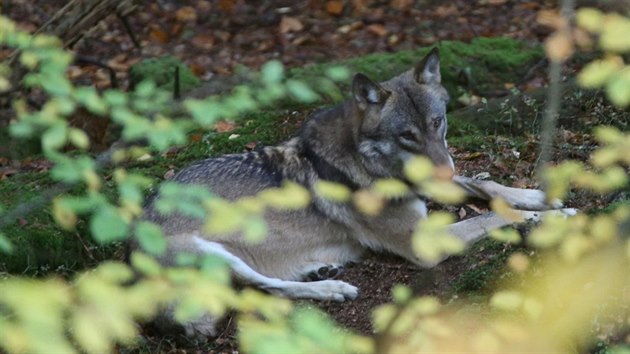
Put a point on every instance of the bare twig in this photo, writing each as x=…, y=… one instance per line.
x=552, y=108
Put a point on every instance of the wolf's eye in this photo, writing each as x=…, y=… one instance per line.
x=408, y=135
x=437, y=121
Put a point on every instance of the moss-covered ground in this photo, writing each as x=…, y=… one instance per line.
x=485, y=63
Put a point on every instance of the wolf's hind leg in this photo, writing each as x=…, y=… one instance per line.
x=319, y=290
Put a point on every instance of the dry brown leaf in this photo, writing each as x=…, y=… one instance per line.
x=203, y=41
x=377, y=29
x=224, y=126
x=186, y=14
x=251, y=145
x=169, y=174
x=334, y=8
x=559, y=46
x=475, y=209
x=462, y=213
x=492, y=2
x=227, y=5
x=156, y=34
x=290, y=24
x=443, y=11
x=400, y=4
x=550, y=18
x=203, y=5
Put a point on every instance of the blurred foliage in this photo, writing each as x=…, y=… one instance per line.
x=581, y=275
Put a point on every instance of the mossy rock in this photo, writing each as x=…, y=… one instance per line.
x=162, y=72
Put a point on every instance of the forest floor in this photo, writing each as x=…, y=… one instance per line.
x=214, y=38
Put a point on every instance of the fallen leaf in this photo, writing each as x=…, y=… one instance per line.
x=156, y=34
x=224, y=126
x=334, y=8
x=492, y=2
x=226, y=5
x=169, y=174
x=443, y=11
x=377, y=29
x=559, y=46
x=550, y=18
x=290, y=24
x=186, y=14
x=475, y=209
x=203, y=41
x=251, y=145
x=400, y=4
x=7, y=172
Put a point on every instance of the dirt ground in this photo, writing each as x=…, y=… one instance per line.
x=215, y=37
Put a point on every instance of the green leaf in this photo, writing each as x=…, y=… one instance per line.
x=301, y=91
x=5, y=245
x=272, y=72
x=107, y=225
x=115, y=97
x=338, y=73
x=145, y=89
x=151, y=238
x=55, y=137
x=145, y=264
x=618, y=88
x=79, y=139
x=88, y=97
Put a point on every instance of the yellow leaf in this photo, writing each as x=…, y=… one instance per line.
x=418, y=169
x=332, y=191
x=63, y=215
x=503, y=209
x=505, y=235
x=390, y=188
x=596, y=73
x=590, y=19
x=614, y=37
x=508, y=300
x=443, y=191
x=368, y=202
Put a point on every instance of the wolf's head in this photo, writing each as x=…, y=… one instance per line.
x=402, y=117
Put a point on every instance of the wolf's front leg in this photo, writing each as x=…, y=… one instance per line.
x=518, y=198
x=474, y=229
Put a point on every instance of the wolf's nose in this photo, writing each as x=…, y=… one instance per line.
x=444, y=172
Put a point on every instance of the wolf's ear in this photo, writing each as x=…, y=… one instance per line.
x=428, y=69
x=367, y=92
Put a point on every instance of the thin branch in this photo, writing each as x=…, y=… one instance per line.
x=548, y=128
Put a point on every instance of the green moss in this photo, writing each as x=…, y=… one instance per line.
x=39, y=245
x=485, y=64
x=486, y=261
x=162, y=71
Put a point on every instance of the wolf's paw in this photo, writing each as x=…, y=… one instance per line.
x=325, y=272
x=201, y=328
x=335, y=290
x=536, y=216
x=531, y=199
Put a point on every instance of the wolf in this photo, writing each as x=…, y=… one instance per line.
x=368, y=137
